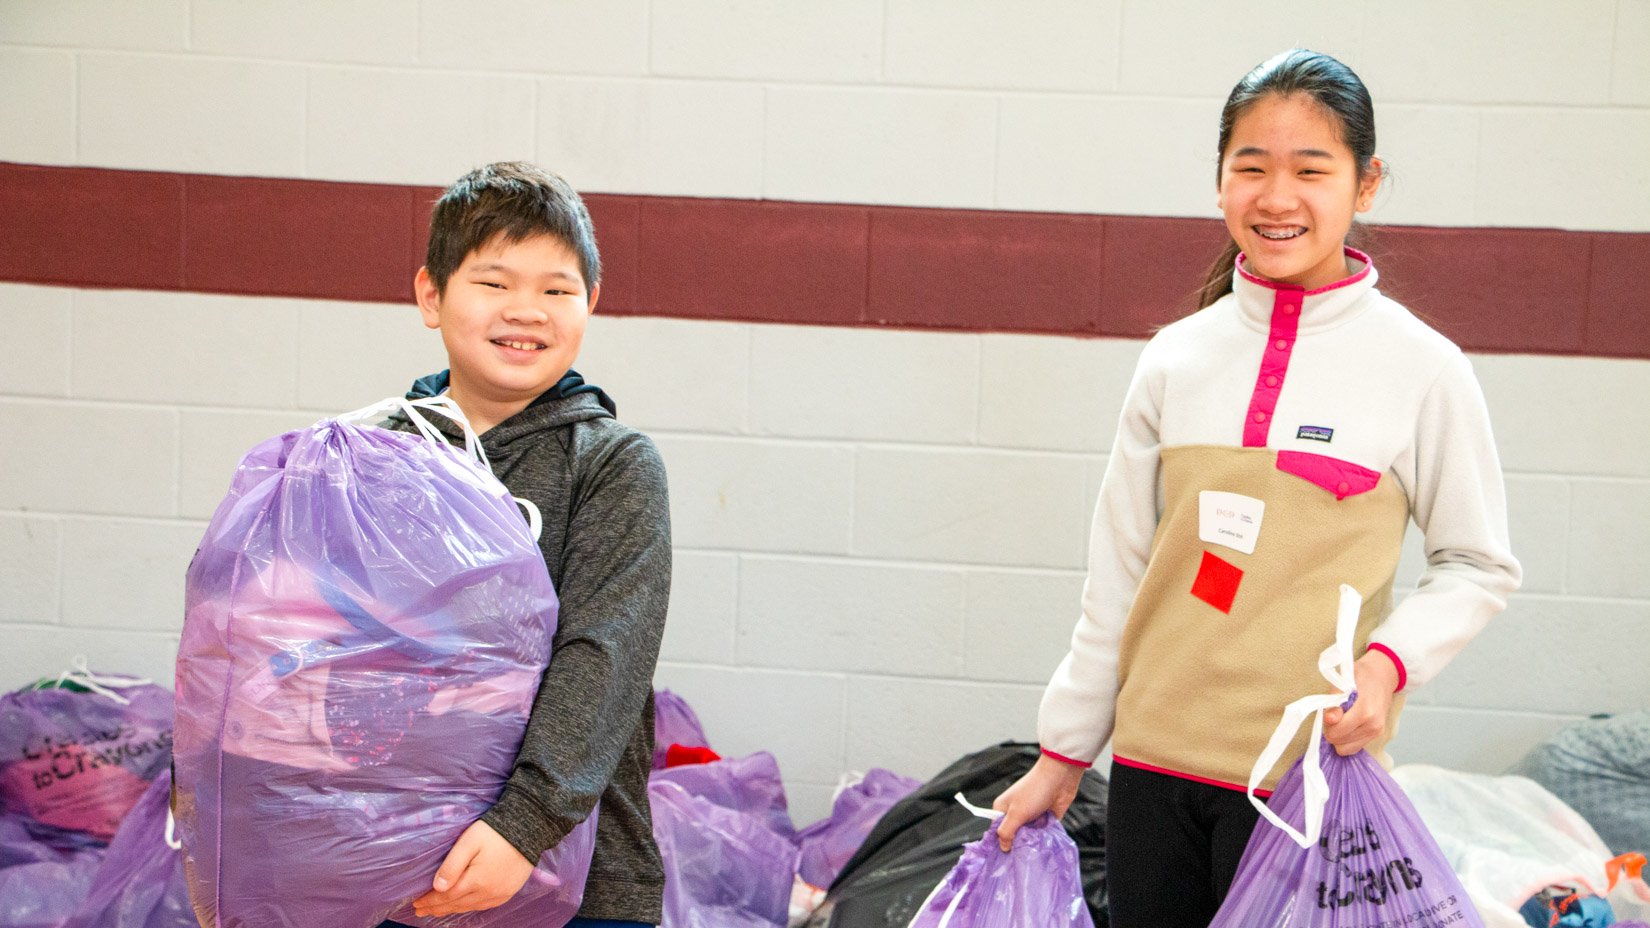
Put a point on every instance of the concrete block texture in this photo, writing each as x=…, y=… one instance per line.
x=1609, y=192
x=977, y=507
x=796, y=716
x=353, y=354
x=1017, y=624
x=37, y=112
x=1200, y=48
x=126, y=574
x=1555, y=415
x=553, y=36
x=1069, y=45
x=159, y=26
x=34, y=355
x=211, y=444
x=185, y=349
x=1553, y=655
x=215, y=116
x=933, y=148
x=759, y=495
x=1630, y=77
x=363, y=31
x=1088, y=155
x=847, y=616
x=864, y=384
x=1471, y=740
x=1609, y=548
x=1060, y=394
x=1539, y=523
x=918, y=727
x=1482, y=51
x=35, y=651
x=30, y=568
x=88, y=458
x=670, y=374
x=413, y=127
x=1431, y=158
x=683, y=138
x=713, y=38
x=704, y=593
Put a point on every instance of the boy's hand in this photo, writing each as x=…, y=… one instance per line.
x=1351, y=730
x=481, y=871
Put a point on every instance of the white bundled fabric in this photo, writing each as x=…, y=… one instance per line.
x=1508, y=838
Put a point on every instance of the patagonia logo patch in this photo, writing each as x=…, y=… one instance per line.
x=1315, y=432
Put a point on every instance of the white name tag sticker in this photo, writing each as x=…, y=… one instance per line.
x=1229, y=519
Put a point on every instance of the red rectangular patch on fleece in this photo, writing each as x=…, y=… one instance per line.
x=1217, y=583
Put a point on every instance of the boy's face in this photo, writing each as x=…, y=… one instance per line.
x=512, y=318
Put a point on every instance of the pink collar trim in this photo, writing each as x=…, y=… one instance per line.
x=1351, y=252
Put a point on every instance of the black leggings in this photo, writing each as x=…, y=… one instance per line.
x=1172, y=848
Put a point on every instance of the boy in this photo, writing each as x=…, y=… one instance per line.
x=511, y=276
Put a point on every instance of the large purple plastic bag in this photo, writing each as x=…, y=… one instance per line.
x=1037, y=883
x=76, y=752
x=828, y=843
x=366, y=623
x=140, y=884
x=724, y=868
x=41, y=885
x=674, y=722
x=750, y=785
x=1339, y=845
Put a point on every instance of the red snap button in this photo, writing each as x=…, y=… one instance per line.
x=1343, y=487
x=1271, y=381
x=1288, y=309
x=1260, y=417
x=1280, y=344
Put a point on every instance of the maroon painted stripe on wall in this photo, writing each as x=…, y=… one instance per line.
x=1514, y=290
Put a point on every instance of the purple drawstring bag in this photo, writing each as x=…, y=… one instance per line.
x=1037, y=883
x=1339, y=846
x=827, y=844
x=749, y=785
x=367, y=620
x=724, y=868
x=674, y=722
x=140, y=884
x=76, y=752
x=41, y=884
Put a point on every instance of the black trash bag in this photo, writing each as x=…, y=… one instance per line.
x=921, y=838
x=1600, y=767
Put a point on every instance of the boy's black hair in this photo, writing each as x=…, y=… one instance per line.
x=517, y=201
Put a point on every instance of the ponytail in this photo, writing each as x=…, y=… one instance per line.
x=1218, y=282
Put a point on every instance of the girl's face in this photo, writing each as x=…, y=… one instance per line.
x=1289, y=188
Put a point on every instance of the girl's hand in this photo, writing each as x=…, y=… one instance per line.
x=1350, y=730
x=481, y=871
x=1049, y=785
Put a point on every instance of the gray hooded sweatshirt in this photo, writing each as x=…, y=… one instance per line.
x=600, y=487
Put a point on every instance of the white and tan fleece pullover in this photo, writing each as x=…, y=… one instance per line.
x=1272, y=447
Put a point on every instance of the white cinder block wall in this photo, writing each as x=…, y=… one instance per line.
x=879, y=533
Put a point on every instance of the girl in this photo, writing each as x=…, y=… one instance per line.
x=1272, y=446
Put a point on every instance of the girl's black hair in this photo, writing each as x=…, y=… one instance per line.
x=1297, y=71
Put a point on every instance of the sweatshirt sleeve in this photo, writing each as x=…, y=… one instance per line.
x=1459, y=502
x=615, y=586
x=1079, y=706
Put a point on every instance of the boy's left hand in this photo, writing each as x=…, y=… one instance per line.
x=481, y=871
x=1350, y=730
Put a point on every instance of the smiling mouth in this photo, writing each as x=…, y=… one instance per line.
x=518, y=345
x=1280, y=235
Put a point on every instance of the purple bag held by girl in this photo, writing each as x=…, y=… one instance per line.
x=367, y=621
x=1348, y=850
x=1038, y=883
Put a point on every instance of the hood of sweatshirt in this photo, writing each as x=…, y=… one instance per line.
x=570, y=400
